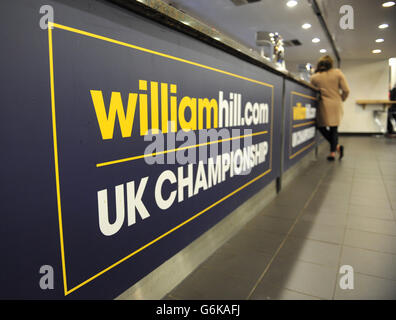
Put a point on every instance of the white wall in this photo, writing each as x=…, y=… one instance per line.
x=368, y=79
x=392, y=63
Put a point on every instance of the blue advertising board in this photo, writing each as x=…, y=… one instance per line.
x=300, y=122
x=123, y=117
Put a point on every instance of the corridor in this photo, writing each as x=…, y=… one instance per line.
x=333, y=214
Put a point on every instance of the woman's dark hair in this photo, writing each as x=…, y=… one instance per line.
x=324, y=64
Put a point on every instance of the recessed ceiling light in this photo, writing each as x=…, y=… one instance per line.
x=383, y=26
x=315, y=40
x=379, y=40
x=377, y=51
x=291, y=3
x=306, y=26
x=323, y=51
x=388, y=4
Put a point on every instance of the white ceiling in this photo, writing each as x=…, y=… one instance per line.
x=242, y=22
x=358, y=43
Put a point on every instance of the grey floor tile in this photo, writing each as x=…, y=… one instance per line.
x=379, y=190
x=370, y=202
x=370, y=195
x=393, y=204
x=314, y=231
x=266, y=291
x=338, y=220
x=368, y=288
x=365, y=174
x=371, y=212
x=372, y=225
x=307, y=278
x=368, y=183
x=370, y=241
x=389, y=177
x=390, y=185
x=317, y=205
x=326, y=211
x=370, y=262
x=311, y=251
x=339, y=178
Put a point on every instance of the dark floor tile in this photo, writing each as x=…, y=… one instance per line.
x=248, y=265
x=256, y=240
x=326, y=195
x=169, y=297
x=270, y=224
x=208, y=285
x=330, y=199
x=289, y=211
x=335, y=190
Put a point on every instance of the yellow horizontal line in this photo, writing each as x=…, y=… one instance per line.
x=303, y=124
x=168, y=232
x=125, y=44
x=108, y=163
x=304, y=95
x=302, y=150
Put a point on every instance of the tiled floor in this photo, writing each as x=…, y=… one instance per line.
x=334, y=214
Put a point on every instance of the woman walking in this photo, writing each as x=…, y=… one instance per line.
x=334, y=91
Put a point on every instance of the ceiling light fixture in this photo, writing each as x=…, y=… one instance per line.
x=377, y=51
x=323, y=51
x=388, y=4
x=315, y=40
x=383, y=26
x=379, y=40
x=291, y=3
x=306, y=26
